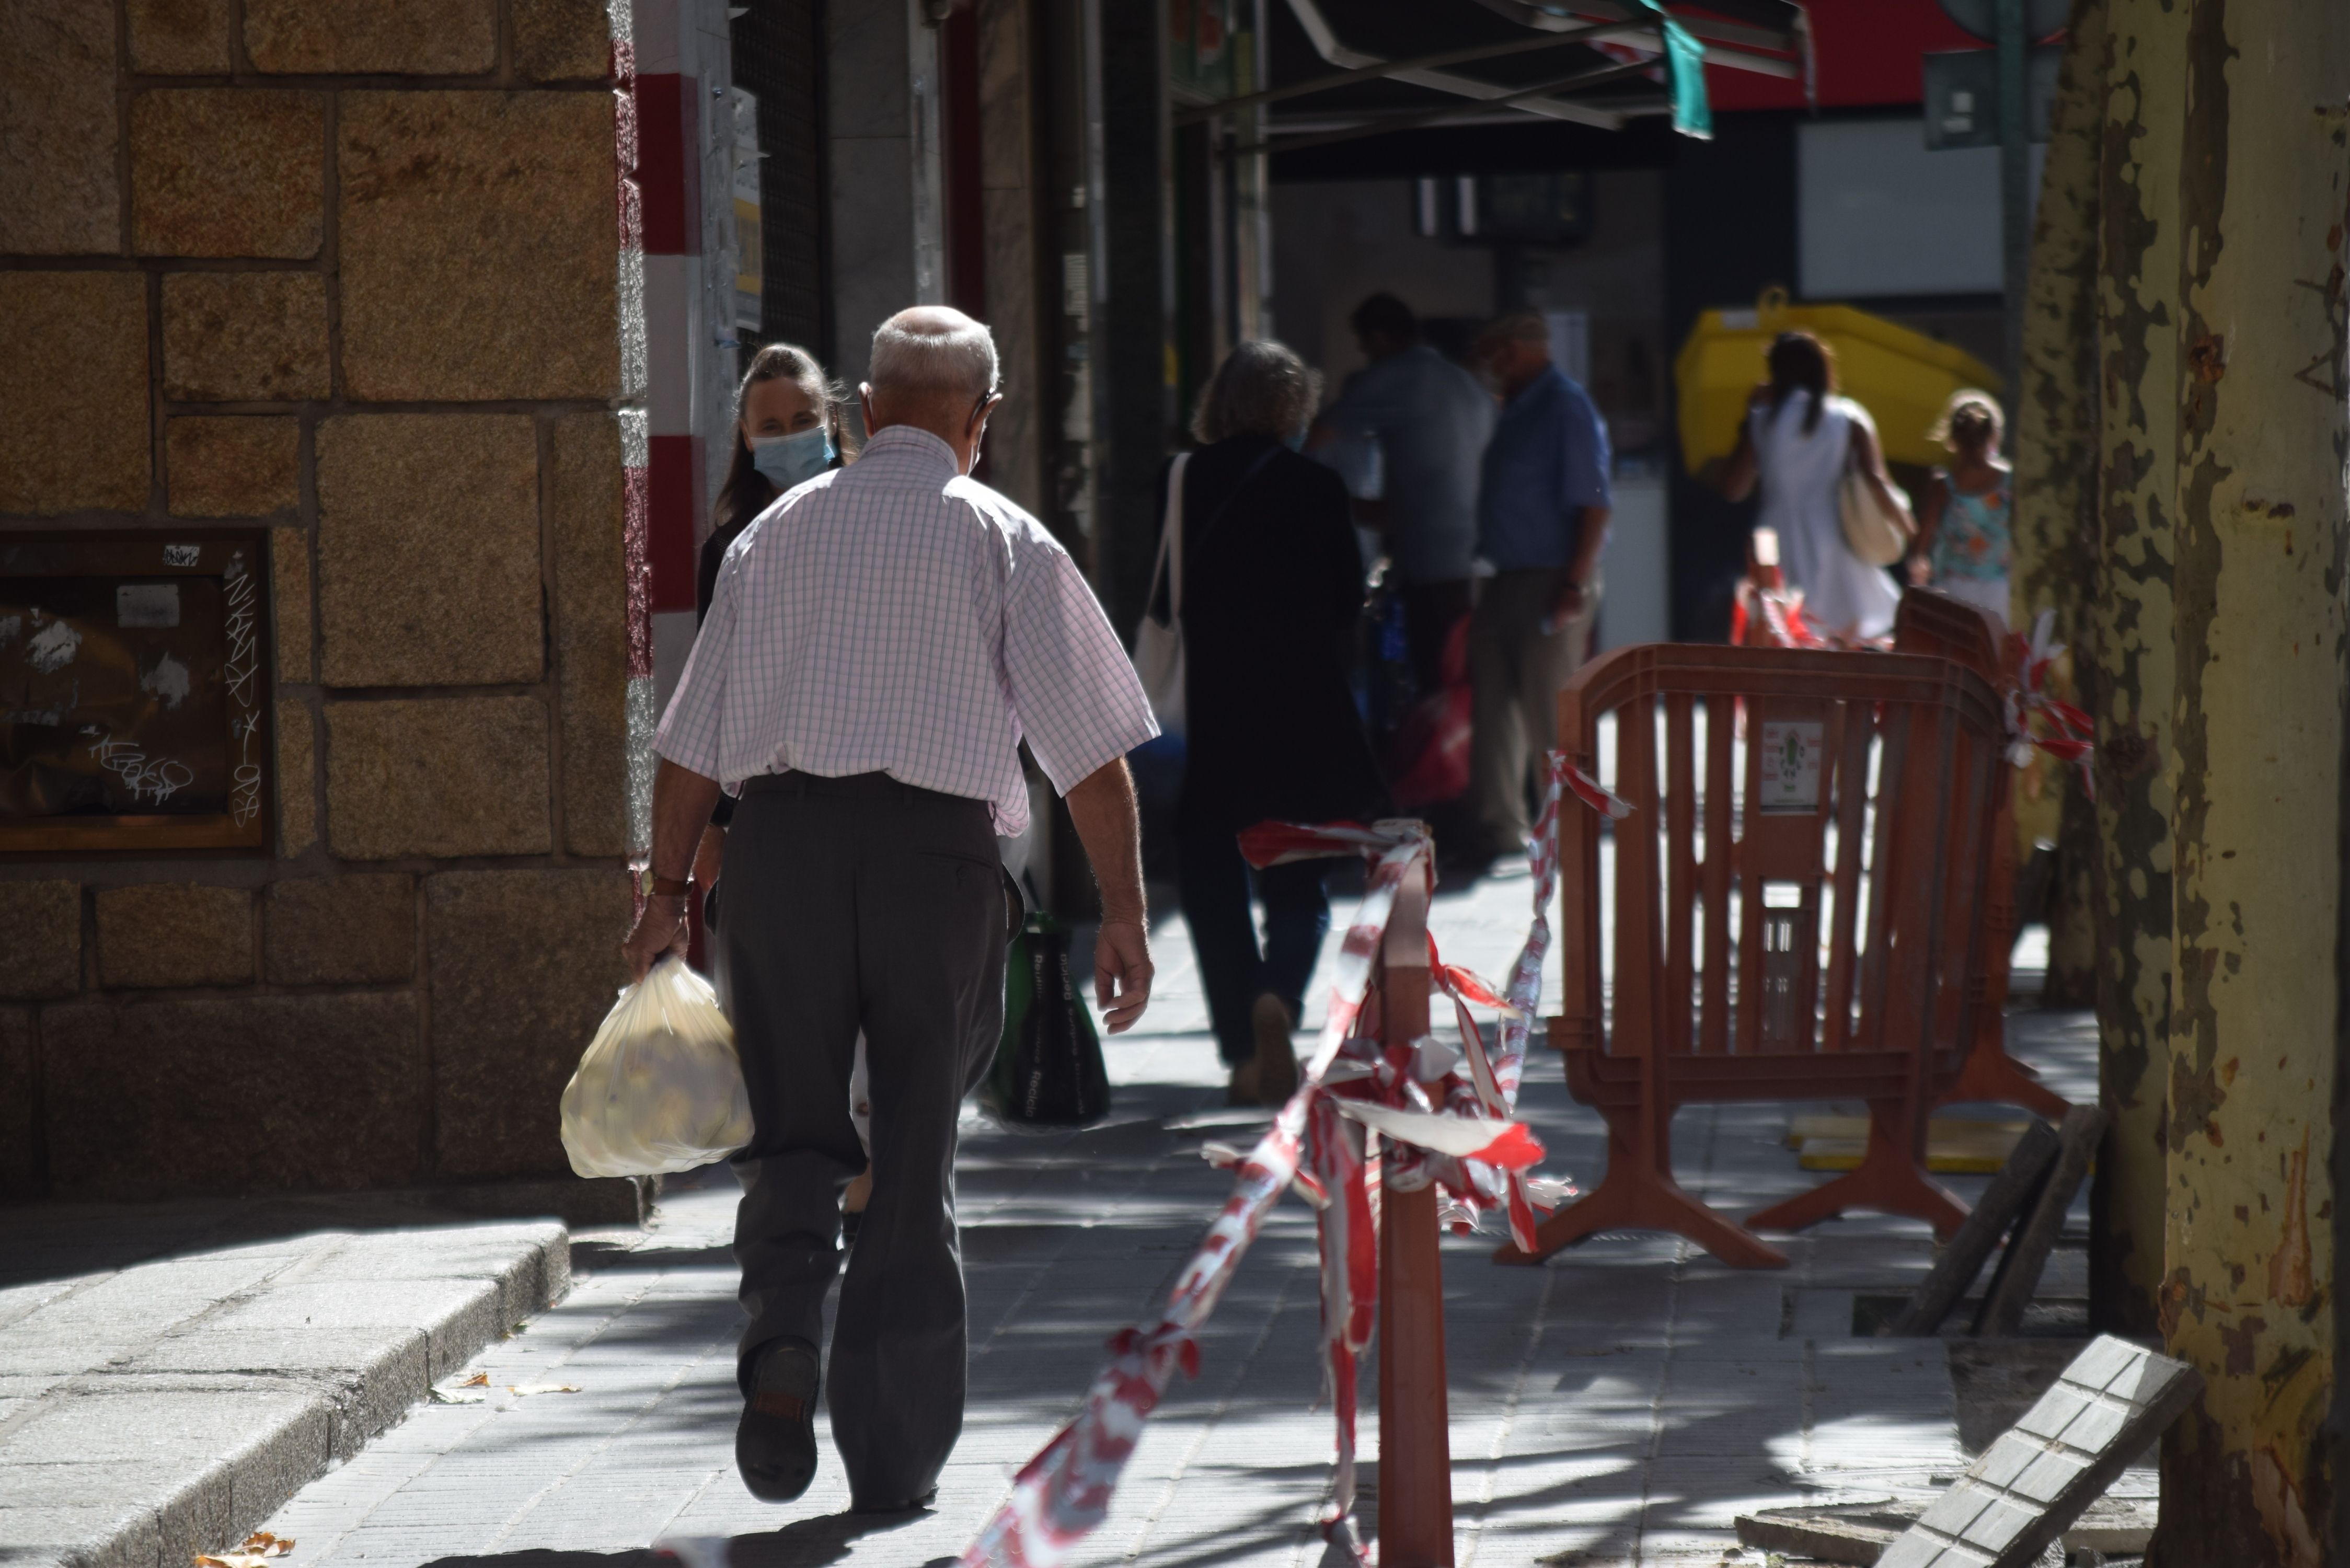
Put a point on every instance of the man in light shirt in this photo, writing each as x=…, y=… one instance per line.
x=880, y=642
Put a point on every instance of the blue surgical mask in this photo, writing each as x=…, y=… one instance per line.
x=790, y=459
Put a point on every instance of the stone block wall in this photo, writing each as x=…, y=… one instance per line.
x=353, y=272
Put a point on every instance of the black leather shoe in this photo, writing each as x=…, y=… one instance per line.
x=775, y=1446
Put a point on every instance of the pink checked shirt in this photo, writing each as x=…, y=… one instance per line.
x=895, y=617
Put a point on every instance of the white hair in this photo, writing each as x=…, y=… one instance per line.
x=932, y=351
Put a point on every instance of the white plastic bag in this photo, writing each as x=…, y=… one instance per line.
x=660, y=1088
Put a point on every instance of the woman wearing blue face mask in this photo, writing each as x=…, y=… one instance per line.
x=787, y=429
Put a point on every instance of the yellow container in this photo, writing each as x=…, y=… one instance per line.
x=1902, y=377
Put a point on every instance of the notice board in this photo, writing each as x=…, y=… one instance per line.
x=134, y=707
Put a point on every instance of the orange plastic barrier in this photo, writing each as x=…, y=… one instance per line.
x=1871, y=789
x=1941, y=626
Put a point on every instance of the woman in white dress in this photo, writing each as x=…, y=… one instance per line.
x=1799, y=440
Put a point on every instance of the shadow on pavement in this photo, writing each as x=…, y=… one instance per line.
x=542, y=1558
x=803, y=1543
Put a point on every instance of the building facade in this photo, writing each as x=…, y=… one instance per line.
x=317, y=474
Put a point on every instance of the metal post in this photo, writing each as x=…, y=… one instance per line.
x=1415, y=1490
x=2014, y=186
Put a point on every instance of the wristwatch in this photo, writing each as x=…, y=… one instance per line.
x=658, y=887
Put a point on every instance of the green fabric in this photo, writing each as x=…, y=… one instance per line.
x=1692, y=116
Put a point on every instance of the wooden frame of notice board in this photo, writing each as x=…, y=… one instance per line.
x=134, y=692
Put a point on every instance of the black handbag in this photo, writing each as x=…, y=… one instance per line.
x=1049, y=1070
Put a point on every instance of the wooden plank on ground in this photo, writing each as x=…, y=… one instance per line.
x=2043, y=1472
x=2011, y=1193
x=1851, y=1533
x=1857, y=1533
x=2027, y=1252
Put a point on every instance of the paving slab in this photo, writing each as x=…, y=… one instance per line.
x=171, y=1379
x=1622, y=1404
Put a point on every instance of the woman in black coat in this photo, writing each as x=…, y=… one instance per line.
x=1273, y=585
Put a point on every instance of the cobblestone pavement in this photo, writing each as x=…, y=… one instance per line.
x=1616, y=1407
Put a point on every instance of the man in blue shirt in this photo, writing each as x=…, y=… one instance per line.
x=1542, y=521
x=1431, y=419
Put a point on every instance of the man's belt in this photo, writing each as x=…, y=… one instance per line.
x=851, y=786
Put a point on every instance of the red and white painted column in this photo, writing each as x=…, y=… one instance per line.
x=684, y=160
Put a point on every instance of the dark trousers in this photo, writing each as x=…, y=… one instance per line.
x=1214, y=882
x=854, y=904
x=1431, y=611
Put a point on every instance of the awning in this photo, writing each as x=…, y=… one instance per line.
x=1376, y=68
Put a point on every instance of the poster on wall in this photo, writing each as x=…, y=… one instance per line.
x=750, y=254
x=134, y=695
x=1199, y=49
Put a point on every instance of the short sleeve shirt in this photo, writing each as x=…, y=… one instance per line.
x=896, y=616
x=1547, y=461
x=1431, y=419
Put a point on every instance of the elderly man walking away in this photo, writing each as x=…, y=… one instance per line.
x=1431, y=419
x=881, y=640
x=1542, y=520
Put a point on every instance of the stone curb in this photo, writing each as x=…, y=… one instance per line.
x=205, y=1422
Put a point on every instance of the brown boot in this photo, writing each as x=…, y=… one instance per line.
x=1242, y=1089
x=1275, y=1062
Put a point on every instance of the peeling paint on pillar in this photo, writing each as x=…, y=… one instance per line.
x=2257, y=827
x=2054, y=521
x=2137, y=211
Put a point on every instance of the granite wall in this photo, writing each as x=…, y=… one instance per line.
x=351, y=271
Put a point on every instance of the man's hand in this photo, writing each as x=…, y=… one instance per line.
x=1573, y=598
x=1570, y=603
x=708, y=857
x=661, y=929
x=1122, y=973
x=681, y=803
x=1102, y=806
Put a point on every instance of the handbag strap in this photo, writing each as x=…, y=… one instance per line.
x=1170, y=563
x=1171, y=532
x=1208, y=528
x=1852, y=463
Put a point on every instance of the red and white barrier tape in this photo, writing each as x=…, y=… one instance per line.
x=1457, y=1130
x=1591, y=791
x=1791, y=624
x=2070, y=735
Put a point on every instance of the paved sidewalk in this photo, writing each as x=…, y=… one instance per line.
x=171, y=1373
x=1618, y=1406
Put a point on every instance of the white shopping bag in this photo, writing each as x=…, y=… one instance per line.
x=660, y=1087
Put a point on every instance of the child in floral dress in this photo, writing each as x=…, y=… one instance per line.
x=1963, y=545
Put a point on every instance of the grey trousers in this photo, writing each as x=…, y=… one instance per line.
x=1517, y=670
x=852, y=904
